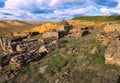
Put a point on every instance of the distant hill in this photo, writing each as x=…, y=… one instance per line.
x=10, y=26
x=98, y=18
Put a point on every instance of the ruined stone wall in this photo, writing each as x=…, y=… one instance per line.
x=112, y=53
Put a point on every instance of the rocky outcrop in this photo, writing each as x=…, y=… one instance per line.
x=7, y=75
x=23, y=51
x=79, y=31
x=110, y=27
x=105, y=38
x=20, y=51
x=112, y=53
x=60, y=31
x=26, y=33
x=8, y=44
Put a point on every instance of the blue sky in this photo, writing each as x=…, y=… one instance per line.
x=56, y=9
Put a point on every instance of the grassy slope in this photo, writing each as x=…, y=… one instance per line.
x=98, y=18
x=83, y=67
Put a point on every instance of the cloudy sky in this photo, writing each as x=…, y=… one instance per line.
x=56, y=9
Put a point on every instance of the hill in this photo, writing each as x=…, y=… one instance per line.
x=9, y=26
x=98, y=18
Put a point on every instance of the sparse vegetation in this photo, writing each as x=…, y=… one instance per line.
x=99, y=58
x=56, y=64
x=71, y=60
x=98, y=18
x=37, y=36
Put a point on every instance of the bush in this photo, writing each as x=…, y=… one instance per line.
x=57, y=63
x=99, y=58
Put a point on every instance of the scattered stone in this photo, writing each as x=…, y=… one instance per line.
x=94, y=50
x=42, y=69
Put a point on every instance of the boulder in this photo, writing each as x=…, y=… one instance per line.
x=42, y=69
x=112, y=53
x=43, y=49
x=94, y=50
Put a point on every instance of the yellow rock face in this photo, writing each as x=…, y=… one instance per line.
x=112, y=27
x=44, y=27
x=48, y=26
x=86, y=23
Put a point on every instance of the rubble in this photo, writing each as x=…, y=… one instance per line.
x=79, y=31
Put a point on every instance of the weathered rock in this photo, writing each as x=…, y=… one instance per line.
x=49, y=34
x=63, y=22
x=84, y=31
x=112, y=53
x=79, y=32
x=111, y=27
x=24, y=58
x=21, y=34
x=60, y=31
x=6, y=58
x=94, y=50
x=43, y=49
x=8, y=45
x=105, y=38
x=42, y=69
x=7, y=75
x=28, y=45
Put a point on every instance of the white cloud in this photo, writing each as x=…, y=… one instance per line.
x=108, y=11
x=59, y=9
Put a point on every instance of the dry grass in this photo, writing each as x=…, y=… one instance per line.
x=9, y=26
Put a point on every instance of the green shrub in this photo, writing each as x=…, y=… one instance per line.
x=93, y=41
x=111, y=66
x=99, y=58
x=37, y=36
x=57, y=63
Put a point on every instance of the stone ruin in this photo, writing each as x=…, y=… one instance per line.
x=105, y=38
x=19, y=51
x=79, y=31
x=60, y=31
x=112, y=53
x=16, y=34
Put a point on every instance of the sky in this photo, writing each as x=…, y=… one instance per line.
x=56, y=9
